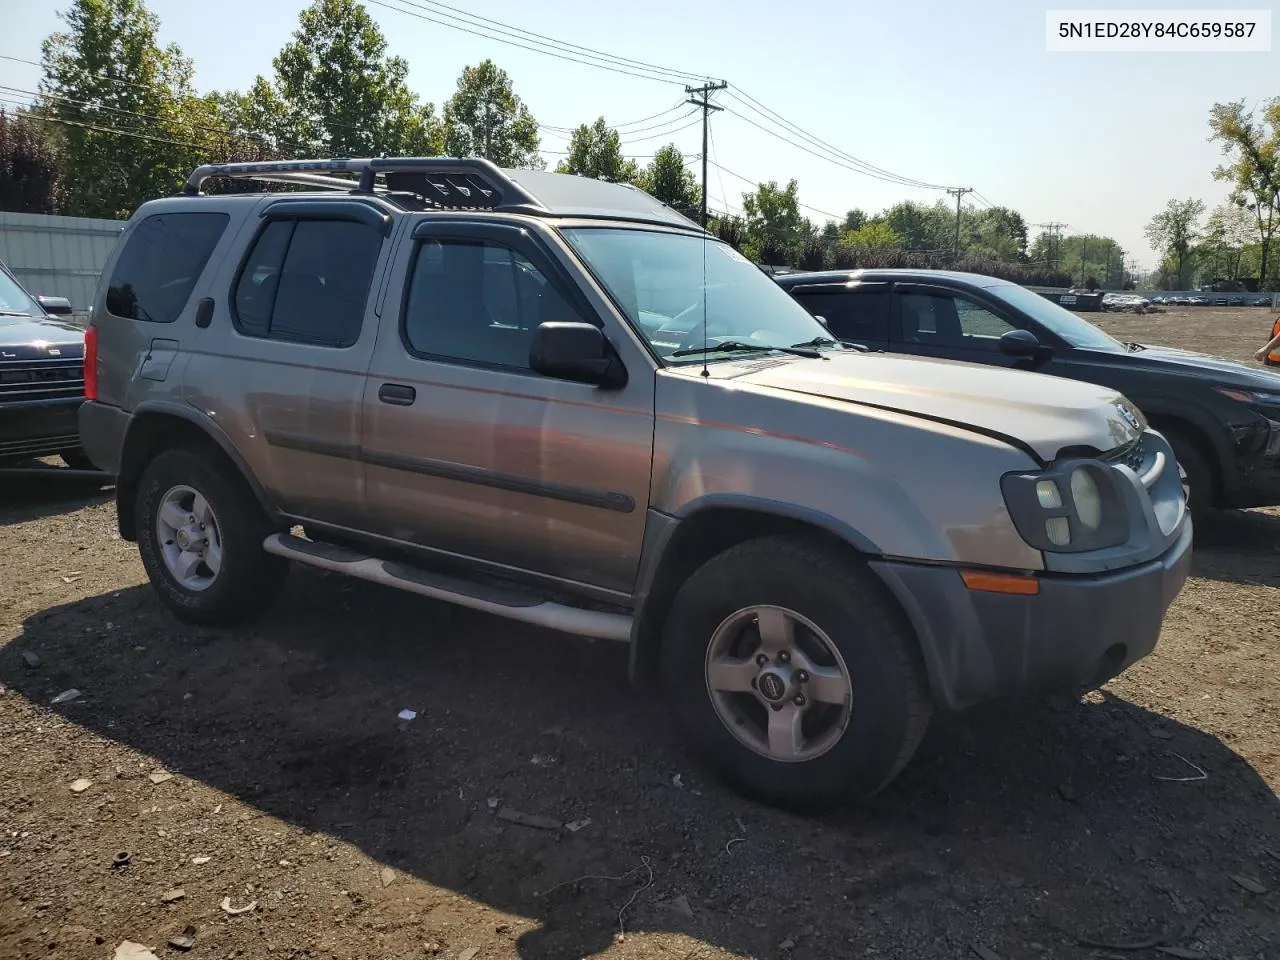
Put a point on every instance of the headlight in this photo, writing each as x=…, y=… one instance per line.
x=1087, y=498
x=1070, y=508
x=1267, y=398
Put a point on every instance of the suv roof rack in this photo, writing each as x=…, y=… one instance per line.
x=467, y=183
x=457, y=183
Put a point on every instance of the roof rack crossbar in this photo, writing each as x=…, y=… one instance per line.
x=449, y=181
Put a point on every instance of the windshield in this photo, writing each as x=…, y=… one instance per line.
x=1079, y=333
x=660, y=282
x=13, y=299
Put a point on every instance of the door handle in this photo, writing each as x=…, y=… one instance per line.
x=397, y=394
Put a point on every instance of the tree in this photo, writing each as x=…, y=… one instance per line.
x=338, y=94
x=1173, y=231
x=775, y=229
x=1227, y=234
x=132, y=127
x=485, y=118
x=596, y=151
x=668, y=179
x=30, y=171
x=921, y=227
x=1253, y=170
x=873, y=235
x=853, y=220
x=997, y=233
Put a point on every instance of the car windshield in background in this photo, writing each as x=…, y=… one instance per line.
x=660, y=281
x=14, y=301
x=1077, y=332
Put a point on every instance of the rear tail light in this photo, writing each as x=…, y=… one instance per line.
x=91, y=363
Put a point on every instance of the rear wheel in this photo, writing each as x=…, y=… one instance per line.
x=794, y=673
x=200, y=533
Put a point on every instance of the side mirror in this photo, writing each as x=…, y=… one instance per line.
x=1021, y=344
x=822, y=320
x=577, y=352
x=58, y=306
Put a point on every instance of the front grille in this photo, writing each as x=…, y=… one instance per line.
x=26, y=380
x=1131, y=455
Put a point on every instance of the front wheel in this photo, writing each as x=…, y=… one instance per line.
x=200, y=533
x=794, y=673
x=1197, y=474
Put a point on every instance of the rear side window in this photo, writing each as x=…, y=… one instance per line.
x=307, y=281
x=160, y=264
x=861, y=316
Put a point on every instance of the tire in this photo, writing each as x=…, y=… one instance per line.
x=247, y=579
x=1199, y=474
x=889, y=709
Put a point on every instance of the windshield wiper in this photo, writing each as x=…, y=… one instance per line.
x=828, y=342
x=13, y=313
x=732, y=346
x=1134, y=347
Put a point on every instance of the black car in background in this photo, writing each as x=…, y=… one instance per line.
x=41, y=377
x=1222, y=418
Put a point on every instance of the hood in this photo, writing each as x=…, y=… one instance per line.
x=26, y=331
x=1207, y=367
x=1029, y=410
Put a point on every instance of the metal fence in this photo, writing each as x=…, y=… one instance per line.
x=57, y=256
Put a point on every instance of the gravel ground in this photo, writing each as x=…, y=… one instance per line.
x=268, y=767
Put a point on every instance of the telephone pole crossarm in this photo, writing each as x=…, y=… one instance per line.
x=701, y=97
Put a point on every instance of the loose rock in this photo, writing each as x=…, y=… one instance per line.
x=128, y=950
x=231, y=911
x=66, y=696
x=387, y=876
x=1248, y=883
x=528, y=819
x=159, y=777
x=173, y=896
x=32, y=661
x=469, y=953
x=81, y=785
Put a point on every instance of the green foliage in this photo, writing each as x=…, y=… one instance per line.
x=732, y=230
x=853, y=220
x=30, y=170
x=852, y=258
x=775, y=230
x=997, y=233
x=921, y=227
x=872, y=235
x=1253, y=168
x=596, y=151
x=105, y=71
x=337, y=94
x=485, y=118
x=669, y=179
x=1173, y=231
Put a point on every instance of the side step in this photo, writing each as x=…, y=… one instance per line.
x=500, y=601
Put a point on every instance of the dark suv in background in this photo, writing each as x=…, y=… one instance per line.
x=41, y=376
x=1222, y=418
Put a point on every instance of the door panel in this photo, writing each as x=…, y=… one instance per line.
x=468, y=451
x=281, y=366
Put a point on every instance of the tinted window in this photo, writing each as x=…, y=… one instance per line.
x=160, y=264
x=950, y=320
x=13, y=299
x=307, y=281
x=858, y=315
x=478, y=302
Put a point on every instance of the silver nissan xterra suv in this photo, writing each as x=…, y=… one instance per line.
x=558, y=401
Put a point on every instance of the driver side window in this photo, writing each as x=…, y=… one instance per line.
x=949, y=321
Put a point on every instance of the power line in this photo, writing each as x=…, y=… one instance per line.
x=821, y=156
x=122, y=133
x=751, y=103
x=556, y=131
x=455, y=13
x=616, y=126
x=758, y=184
x=512, y=43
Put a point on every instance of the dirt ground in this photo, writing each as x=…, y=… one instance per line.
x=1144, y=814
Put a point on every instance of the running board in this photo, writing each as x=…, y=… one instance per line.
x=508, y=602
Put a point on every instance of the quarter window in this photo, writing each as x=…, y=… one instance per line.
x=307, y=281
x=477, y=302
x=161, y=261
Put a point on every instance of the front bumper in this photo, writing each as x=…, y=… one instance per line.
x=39, y=428
x=1078, y=631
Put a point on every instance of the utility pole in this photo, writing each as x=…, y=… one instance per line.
x=1054, y=230
x=959, y=192
x=488, y=134
x=706, y=105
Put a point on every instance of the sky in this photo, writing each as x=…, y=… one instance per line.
x=947, y=93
